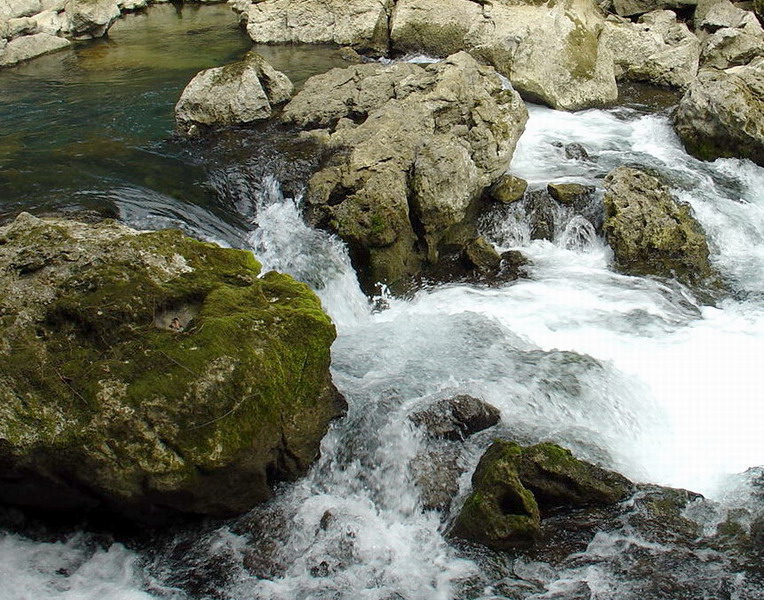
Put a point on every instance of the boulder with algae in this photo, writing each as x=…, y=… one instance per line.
x=513, y=487
x=650, y=232
x=150, y=374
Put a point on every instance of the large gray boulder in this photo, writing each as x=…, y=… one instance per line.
x=361, y=24
x=650, y=232
x=90, y=18
x=722, y=113
x=149, y=374
x=730, y=35
x=240, y=92
x=549, y=51
x=657, y=49
x=30, y=46
x=413, y=146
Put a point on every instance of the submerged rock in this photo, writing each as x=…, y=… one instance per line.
x=361, y=24
x=650, y=232
x=148, y=374
x=412, y=149
x=549, y=51
x=513, y=487
x=240, y=92
x=656, y=49
x=722, y=113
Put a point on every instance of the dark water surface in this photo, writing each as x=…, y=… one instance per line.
x=91, y=128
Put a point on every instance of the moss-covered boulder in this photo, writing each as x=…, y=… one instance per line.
x=149, y=374
x=513, y=487
x=650, y=232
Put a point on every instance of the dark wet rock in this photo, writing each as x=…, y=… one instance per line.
x=514, y=486
x=576, y=151
x=151, y=375
x=436, y=472
x=412, y=148
x=558, y=480
x=650, y=232
x=456, y=418
x=570, y=194
x=241, y=92
x=508, y=189
x=722, y=113
x=540, y=209
x=480, y=254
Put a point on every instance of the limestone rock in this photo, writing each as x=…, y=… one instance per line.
x=513, y=487
x=413, y=147
x=361, y=24
x=508, y=189
x=90, y=18
x=731, y=36
x=656, y=49
x=456, y=418
x=30, y=46
x=630, y=8
x=148, y=374
x=722, y=113
x=240, y=92
x=12, y=9
x=650, y=233
x=481, y=255
x=550, y=52
x=570, y=194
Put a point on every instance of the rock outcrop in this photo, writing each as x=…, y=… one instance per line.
x=513, y=487
x=731, y=36
x=650, y=232
x=148, y=374
x=361, y=24
x=31, y=28
x=657, y=49
x=631, y=8
x=549, y=51
x=412, y=149
x=722, y=113
x=240, y=92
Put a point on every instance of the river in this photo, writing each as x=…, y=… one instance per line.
x=632, y=372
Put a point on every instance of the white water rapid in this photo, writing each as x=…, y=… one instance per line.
x=630, y=372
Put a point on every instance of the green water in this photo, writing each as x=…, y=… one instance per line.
x=91, y=128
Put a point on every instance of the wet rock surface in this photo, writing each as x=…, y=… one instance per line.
x=150, y=375
x=411, y=150
x=456, y=418
x=513, y=487
x=650, y=232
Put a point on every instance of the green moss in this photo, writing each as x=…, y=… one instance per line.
x=581, y=48
x=137, y=408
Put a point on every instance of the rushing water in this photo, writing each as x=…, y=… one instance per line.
x=632, y=372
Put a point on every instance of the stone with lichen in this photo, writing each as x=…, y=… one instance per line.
x=149, y=374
